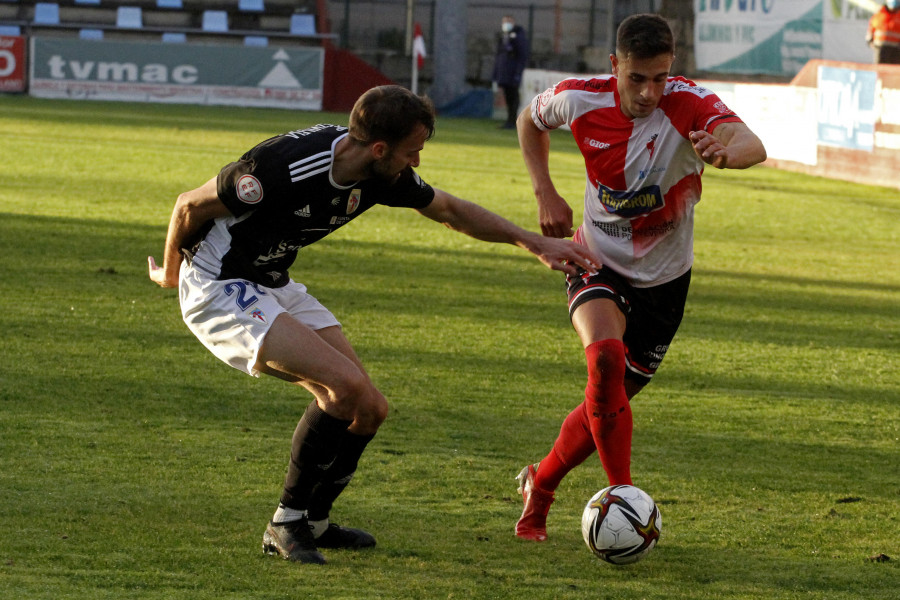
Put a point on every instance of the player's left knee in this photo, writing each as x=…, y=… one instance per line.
x=606, y=375
x=606, y=362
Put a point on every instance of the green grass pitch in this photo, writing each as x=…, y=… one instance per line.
x=134, y=465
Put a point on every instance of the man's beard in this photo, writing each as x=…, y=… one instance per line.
x=380, y=168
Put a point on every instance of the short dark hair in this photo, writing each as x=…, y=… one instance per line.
x=644, y=36
x=390, y=113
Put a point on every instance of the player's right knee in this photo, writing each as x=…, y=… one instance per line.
x=358, y=400
x=352, y=390
x=372, y=412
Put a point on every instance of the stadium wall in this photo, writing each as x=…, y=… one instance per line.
x=835, y=119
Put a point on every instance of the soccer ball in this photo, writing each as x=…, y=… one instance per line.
x=621, y=524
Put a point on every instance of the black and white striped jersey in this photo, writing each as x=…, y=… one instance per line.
x=282, y=197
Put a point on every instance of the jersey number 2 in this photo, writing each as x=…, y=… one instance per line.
x=243, y=300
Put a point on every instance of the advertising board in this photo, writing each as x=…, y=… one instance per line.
x=12, y=63
x=177, y=73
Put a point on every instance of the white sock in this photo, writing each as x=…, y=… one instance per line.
x=318, y=527
x=284, y=514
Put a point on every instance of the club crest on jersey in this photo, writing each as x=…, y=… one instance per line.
x=258, y=315
x=249, y=189
x=651, y=145
x=629, y=204
x=353, y=201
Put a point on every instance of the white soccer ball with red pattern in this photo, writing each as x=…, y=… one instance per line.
x=621, y=524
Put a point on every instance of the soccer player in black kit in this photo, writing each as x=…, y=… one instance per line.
x=230, y=243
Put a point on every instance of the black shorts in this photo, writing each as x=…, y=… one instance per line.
x=652, y=315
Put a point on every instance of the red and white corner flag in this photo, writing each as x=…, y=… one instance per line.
x=418, y=58
x=419, y=47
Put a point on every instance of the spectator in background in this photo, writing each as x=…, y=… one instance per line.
x=510, y=61
x=884, y=33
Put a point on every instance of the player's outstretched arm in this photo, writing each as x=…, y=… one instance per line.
x=554, y=213
x=192, y=210
x=730, y=146
x=482, y=224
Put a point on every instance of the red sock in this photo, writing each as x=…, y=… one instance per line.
x=573, y=446
x=609, y=413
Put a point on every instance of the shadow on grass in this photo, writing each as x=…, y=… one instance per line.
x=54, y=265
x=823, y=284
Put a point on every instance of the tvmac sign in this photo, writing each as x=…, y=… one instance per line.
x=177, y=73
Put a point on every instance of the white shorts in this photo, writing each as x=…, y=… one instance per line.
x=232, y=317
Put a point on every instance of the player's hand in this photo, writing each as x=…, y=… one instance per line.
x=555, y=216
x=158, y=275
x=709, y=149
x=564, y=255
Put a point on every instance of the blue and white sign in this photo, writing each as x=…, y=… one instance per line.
x=847, y=108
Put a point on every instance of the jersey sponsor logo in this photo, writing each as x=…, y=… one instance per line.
x=303, y=212
x=614, y=229
x=680, y=85
x=596, y=144
x=629, y=204
x=258, y=315
x=658, y=229
x=597, y=84
x=249, y=190
x=657, y=356
x=547, y=96
x=340, y=220
x=275, y=252
x=642, y=174
x=298, y=133
x=353, y=201
x=721, y=107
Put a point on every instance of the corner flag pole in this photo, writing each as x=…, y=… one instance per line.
x=418, y=58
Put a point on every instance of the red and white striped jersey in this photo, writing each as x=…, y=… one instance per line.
x=643, y=177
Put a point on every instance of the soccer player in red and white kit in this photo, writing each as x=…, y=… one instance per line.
x=646, y=137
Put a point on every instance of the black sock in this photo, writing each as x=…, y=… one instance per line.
x=338, y=476
x=314, y=449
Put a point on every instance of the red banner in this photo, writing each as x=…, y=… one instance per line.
x=12, y=63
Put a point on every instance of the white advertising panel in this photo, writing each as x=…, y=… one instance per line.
x=757, y=36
